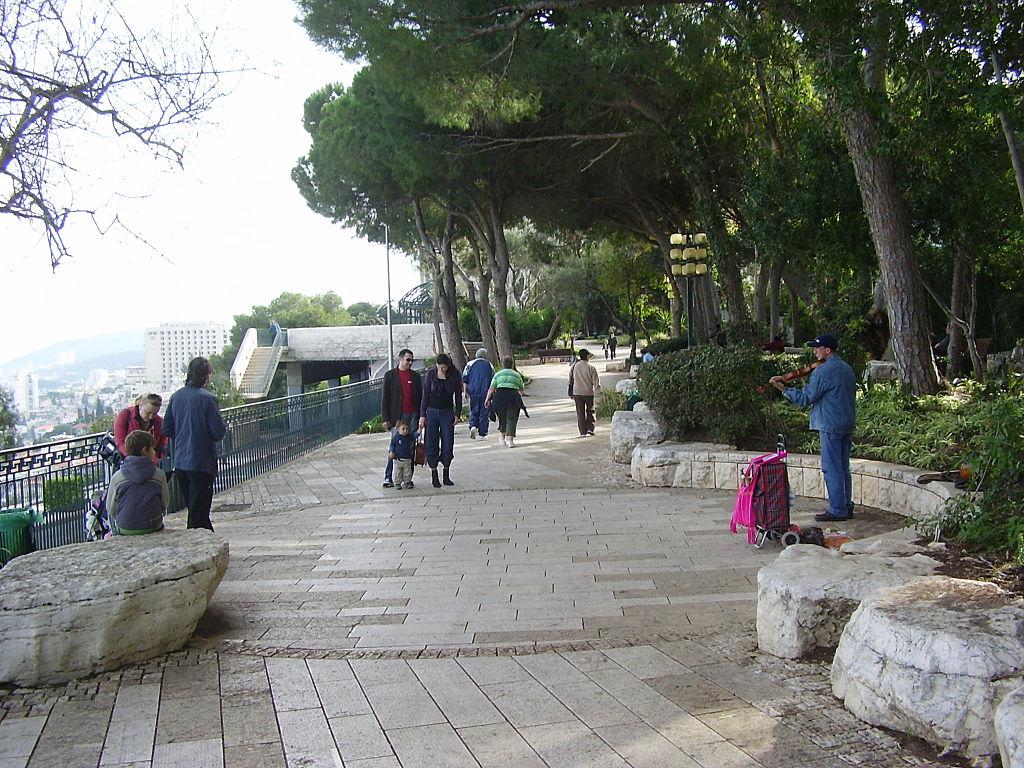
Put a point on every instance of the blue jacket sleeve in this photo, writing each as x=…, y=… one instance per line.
x=214, y=421
x=812, y=393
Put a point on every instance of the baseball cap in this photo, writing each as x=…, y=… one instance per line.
x=824, y=340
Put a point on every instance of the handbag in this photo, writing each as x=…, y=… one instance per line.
x=421, y=454
x=108, y=451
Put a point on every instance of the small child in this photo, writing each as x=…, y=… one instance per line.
x=138, y=495
x=402, y=451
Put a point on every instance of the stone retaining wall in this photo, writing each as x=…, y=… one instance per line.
x=889, y=487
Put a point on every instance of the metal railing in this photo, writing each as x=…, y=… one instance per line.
x=261, y=437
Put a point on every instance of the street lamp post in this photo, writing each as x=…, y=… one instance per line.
x=692, y=262
x=387, y=261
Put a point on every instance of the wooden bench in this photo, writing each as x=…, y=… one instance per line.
x=556, y=354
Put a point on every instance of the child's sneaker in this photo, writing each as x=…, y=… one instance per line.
x=473, y=433
x=408, y=484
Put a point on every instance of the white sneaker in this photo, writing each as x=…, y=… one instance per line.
x=510, y=442
x=472, y=433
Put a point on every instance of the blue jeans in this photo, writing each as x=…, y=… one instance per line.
x=479, y=416
x=439, y=437
x=835, y=464
x=414, y=420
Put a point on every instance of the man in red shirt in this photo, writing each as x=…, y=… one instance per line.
x=400, y=400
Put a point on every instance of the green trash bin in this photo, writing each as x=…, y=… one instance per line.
x=15, y=534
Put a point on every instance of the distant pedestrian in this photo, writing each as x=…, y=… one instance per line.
x=604, y=348
x=505, y=398
x=143, y=415
x=194, y=423
x=584, y=384
x=138, y=496
x=402, y=451
x=648, y=356
x=476, y=379
x=440, y=408
x=401, y=393
x=613, y=342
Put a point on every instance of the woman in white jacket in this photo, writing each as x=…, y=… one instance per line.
x=584, y=384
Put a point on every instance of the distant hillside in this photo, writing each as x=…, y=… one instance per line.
x=87, y=349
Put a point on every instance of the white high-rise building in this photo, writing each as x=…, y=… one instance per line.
x=170, y=346
x=27, y=393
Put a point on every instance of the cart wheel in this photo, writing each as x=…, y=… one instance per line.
x=789, y=538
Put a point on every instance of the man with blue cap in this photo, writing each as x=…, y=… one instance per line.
x=831, y=394
x=476, y=379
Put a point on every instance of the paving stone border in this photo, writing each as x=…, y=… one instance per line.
x=877, y=484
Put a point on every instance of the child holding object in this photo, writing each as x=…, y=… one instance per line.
x=402, y=451
x=138, y=496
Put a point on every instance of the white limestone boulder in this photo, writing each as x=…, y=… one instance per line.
x=1009, y=724
x=933, y=658
x=641, y=407
x=807, y=595
x=85, y=608
x=625, y=386
x=687, y=465
x=630, y=429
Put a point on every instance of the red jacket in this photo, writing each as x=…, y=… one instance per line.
x=129, y=420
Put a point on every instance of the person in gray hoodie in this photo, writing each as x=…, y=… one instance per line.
x=138, y=495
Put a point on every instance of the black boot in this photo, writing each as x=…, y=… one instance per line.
x=434, y=480
x=447, y=479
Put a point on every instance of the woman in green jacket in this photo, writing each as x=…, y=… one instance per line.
x=505, y=397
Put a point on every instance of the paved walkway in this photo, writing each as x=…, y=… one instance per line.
x=543, y=612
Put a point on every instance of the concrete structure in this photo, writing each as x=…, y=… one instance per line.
x=26, y=394
x=312, y=355
x=169, y=347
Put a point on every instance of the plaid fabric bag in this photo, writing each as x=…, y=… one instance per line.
x=771, y=496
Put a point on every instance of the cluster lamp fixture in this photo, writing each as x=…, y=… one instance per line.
x=690, y=260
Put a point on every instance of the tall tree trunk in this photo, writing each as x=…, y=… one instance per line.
x=480, y=301
x=761, y=288
x=794, y=305
x=1008, y=131
x=449, y=299
x=500, y=263
x=957, y=350
x=774, y=303
x=890, y=230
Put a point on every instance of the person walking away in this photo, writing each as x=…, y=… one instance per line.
x=194, y=423
x=402, y=451
x=138, y=496
x=505, y=397
x=401, y=393
x=476, y=380
x=440, y=408
x=613, y=342
x=584, y=384
x=831, y=393
x=143, y=415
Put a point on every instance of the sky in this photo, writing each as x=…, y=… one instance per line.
x=227, y=232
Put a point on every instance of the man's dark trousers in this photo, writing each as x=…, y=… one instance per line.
x=197, y=488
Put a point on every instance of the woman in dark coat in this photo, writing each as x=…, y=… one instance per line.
x=440, y=408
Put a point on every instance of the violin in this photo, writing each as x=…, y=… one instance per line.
x=799, y=373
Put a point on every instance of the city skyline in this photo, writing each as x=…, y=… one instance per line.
x=228, y=232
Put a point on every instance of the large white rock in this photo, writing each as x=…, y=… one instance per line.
x=630, y=429
x=933, y=658
x=1009, y=723
x=84, y=608
x=625, y=386
x=807, y=595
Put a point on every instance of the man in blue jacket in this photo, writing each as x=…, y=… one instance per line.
x=831, y=393
x=477, y=380
x=194, y=424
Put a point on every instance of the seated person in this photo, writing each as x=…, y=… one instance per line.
x=138, y=495
x=776, y=345
x=648, y=357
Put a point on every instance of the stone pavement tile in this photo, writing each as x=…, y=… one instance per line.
x=722, y=754
x=454, y=691
x=551, y=669
x=689, y=652
x=341, y=698
x=132, y=728
x=487, y=670
x=535, y=635
x=694, y=693
x=22, y=761
x=18, y=735
x=359, y=737
x=189, y=754
x=591, y=704
x=586, y=660
x=403, y=705
x=242, y=674
x=329, y=670
x=374, y=762
x=291, y=685
x=254, y=756
x=764, y=738
x=382, y=671
x=307, y=739
x=197, y=719
x=571, y=745
x=744, y=682
x=527, y=702
x=644, y=747
x=253, y=723
x=645, y=661
x=73, y=734
x=499, y=746
x=431, y=746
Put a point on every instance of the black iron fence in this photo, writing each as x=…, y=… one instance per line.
x=58, y=478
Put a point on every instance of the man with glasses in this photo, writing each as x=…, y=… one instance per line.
x=400, y=401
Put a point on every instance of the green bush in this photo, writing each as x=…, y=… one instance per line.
x=664, y=346
x=527, y=325
x=710, y=393
x=63, y=493
x=469, y=324
x=608, y=402
x=374, y=425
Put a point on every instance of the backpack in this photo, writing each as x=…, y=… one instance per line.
x=108, y=451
